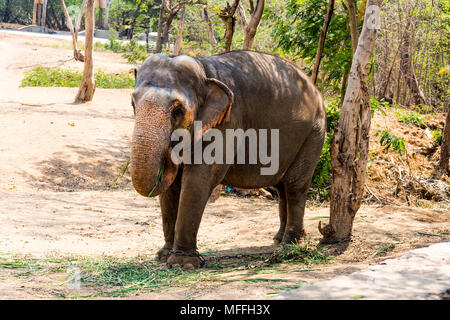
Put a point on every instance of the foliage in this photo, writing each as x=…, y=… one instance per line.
x=55, y=77
x=437, y=136
x=134, y=52
x=389, y=140
x=297, y=31
x=410, y=117
x=322, y=175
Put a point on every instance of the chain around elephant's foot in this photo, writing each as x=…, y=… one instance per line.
x=292, y=236
x=163, y=254
x=188, y=260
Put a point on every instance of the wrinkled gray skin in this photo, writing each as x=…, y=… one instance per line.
x=255, y=90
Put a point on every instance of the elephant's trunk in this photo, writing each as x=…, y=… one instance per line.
x=151, y=169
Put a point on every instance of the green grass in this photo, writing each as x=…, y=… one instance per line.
x=56, y=77
x=306, y=253
x=384, y=249
x=114, y=277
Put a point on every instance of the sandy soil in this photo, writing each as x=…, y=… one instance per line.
x=57, y=164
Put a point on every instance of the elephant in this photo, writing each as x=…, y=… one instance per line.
x=237, y=89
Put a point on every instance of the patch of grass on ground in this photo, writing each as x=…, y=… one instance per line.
x=111, y=277
x=305, y=252
x=56, y=77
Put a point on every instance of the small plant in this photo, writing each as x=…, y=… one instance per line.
x=304, y=252
x=410, y=117
x=378, y=105
x=389, y=140
x=437, y=136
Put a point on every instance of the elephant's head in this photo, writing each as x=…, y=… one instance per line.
x=170, y=93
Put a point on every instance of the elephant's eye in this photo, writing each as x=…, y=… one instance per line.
x=177, y=110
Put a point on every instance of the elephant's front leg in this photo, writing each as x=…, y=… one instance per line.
x=169, y=207
x=196, y=186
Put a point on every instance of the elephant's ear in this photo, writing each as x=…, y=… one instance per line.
x=217, y=107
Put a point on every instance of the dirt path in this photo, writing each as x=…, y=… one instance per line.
x=57, y=164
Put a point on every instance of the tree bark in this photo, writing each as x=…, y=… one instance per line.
x=323, y=35
x=80, y=17
x=35, y=7
x=406, y=65
x=212, y=37
x=179, y=41
x=44, y=13
x=349, y=149
x=445, y=146
x=76, y=52
x=106, y=20
x=252, y=26
x=352, y=23
x=227, y=16
x=88, y=83
x=159, y=39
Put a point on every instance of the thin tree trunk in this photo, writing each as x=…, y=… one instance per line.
x=349, y=149
x=87, y=87
x=106, y=20
x=80, y=17
x=323, y=35
x=406, y=66
x=44, y=13
x=179, y=41
x=227, y=16
x=445, y=146
x=35, y=6
x=242, y=18
x=76, y=52
x=212, y=37
x=250, y=30
x=352, y=23
x=159, y=38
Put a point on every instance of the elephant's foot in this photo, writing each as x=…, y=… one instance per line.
x=186, y=260
x=163, y=254
x=278, y=237
x=292, y=236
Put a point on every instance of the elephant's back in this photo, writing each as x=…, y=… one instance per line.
x=268, y=85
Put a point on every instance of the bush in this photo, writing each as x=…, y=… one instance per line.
x=56, y=77
x=389, y=140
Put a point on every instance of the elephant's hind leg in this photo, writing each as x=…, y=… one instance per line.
x=282, y=212
x=297, y=181
x=169, y=207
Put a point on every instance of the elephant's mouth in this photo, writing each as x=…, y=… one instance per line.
x=165, y=177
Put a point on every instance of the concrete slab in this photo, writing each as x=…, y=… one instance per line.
x=419, y=274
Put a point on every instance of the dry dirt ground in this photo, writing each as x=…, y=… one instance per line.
x=57, y=164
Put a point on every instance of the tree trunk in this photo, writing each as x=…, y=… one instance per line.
x=179, y=41
x=35, y=7
x=445, y=146
x=323, y=35
x=87, y=87
x=100, y=18
x=44, y=13
x=79, y=18
x=76, y=52
x=159, y=38
x=242, y=18
x=349, y=149
x=106, y=20
x=406, y=66
x=212, y=37
x=352, y=23
x=255, y=18
x=227, y=16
